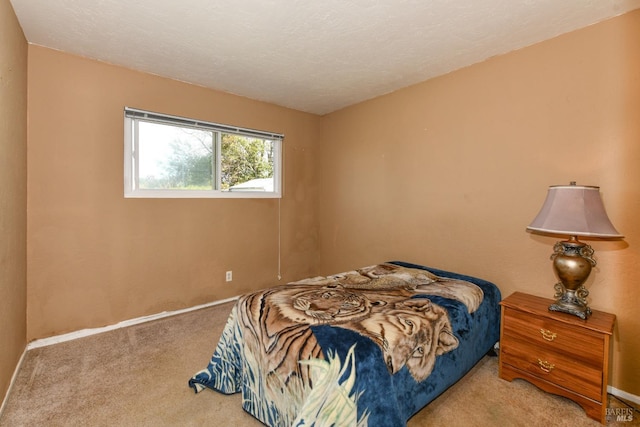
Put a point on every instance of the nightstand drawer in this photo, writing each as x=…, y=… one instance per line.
x=556, y=368
x=580, y=344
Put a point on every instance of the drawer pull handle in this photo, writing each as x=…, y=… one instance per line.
x=548, y=335
x=546, y=366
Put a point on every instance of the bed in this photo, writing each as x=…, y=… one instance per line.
x=370, y=346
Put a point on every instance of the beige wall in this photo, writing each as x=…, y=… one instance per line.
x=448, y=173
x=96, y=258
x=13, y=193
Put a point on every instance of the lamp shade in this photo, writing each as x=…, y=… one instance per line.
x=574, y=210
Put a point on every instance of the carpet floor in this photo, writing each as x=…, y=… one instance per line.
x=137, y=376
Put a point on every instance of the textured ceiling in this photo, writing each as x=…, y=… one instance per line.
x=310, y=55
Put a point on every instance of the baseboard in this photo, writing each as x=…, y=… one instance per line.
x=13, y=380
x=624, y=395
x=87, y=332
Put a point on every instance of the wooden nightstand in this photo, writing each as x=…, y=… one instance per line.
x=558, y=352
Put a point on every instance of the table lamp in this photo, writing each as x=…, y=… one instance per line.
x=573, y=210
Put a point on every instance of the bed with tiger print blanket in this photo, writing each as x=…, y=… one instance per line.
x=367, y=347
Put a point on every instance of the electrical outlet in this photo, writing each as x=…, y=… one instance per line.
x=229, y=276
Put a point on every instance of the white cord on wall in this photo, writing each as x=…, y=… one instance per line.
x=282, y=174
x=279, y=238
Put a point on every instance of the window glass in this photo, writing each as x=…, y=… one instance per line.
x=175, y=157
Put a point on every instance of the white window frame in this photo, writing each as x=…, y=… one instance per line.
x=132, y=115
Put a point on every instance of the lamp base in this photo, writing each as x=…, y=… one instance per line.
x=571, y=301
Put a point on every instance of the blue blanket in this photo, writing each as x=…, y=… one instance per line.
x=371, y=346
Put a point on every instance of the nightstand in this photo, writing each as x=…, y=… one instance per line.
x=558, y=352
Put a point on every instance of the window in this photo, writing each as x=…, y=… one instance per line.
x=168, y=156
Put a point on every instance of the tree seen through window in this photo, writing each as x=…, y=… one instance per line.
x=185, y=158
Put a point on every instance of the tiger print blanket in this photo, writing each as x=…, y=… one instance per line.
x=308, y=353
